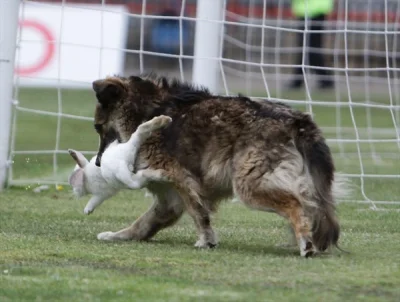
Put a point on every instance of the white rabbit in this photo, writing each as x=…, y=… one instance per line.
x=114, y=174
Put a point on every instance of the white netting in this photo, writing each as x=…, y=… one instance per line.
x=360, y=116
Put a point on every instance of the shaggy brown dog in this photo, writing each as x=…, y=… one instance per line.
x=271, y=156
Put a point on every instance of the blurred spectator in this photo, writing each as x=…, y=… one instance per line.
x=315, y=13
x=165, y=33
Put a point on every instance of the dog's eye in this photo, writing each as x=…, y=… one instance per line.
x=98, y=127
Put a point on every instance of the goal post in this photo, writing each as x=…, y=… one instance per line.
x=207, y=43
x=9, y=11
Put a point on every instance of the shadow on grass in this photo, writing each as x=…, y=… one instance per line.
x=228, y=247
x=254, y=249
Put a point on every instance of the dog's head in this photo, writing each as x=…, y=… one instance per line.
x=110, y=93
x=123, y=104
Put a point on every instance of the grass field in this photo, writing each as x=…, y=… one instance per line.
x=49, y=250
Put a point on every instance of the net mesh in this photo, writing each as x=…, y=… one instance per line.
x=259, y=55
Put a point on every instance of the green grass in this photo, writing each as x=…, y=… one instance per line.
x=38, y=132
x=49, y=252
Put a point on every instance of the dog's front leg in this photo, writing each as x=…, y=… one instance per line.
x=198, y=210
x=167, y=208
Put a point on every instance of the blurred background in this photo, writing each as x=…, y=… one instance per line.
x=366, y=49
x=353, y=94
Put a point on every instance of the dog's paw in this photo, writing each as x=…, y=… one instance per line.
x=201, y=244
x=106, y=236
x=307, y=248
x=88, y=210
x=204, y=243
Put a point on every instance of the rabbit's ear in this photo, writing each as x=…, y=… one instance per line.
x=76, y=179
x=79, y=158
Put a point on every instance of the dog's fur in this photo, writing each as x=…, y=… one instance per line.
x=114, y=174
x=272, y=157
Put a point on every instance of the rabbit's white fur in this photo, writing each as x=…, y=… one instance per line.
x=115, y=174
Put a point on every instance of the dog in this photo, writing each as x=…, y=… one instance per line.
x=269, y=155
x=114, y=175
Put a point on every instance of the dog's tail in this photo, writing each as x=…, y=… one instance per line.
x=319, y=165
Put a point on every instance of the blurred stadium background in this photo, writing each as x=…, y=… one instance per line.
x=242, y=43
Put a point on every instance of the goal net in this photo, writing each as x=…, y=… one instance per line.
x=253, y=47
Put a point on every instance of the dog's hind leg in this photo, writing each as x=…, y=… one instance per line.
x=287, y=206
x=165, y=211
x=302, y=227
x=281, y=189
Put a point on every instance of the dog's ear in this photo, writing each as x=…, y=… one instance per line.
x=141, y=86
x=135, y=79
x=106, y=91
x=79, y=158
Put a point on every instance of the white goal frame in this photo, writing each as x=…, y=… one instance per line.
x=9, y=11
